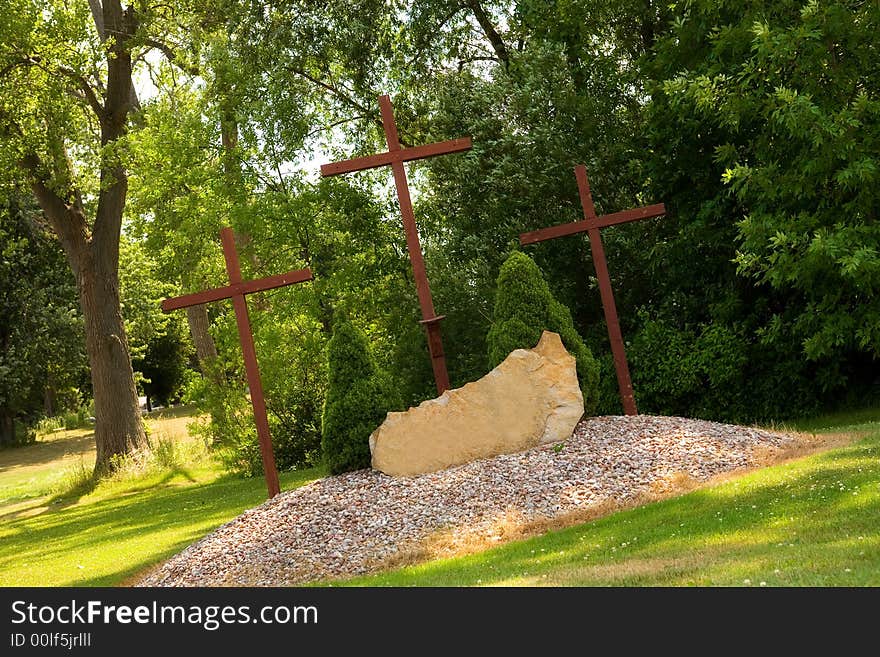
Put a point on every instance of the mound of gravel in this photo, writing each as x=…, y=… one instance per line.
x=348, y=524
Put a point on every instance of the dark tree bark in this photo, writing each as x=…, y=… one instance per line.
x=491, y=33
x=93, y=253
x=7, y=430
x=49, y=400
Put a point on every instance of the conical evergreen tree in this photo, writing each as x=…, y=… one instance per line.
x=524, y=308
x=356, y=403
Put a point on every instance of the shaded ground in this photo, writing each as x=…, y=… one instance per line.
x=32, y=470
x=35, y=470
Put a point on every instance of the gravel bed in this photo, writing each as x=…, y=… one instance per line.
x=348, y=524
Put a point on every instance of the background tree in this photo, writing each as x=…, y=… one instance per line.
x=52, y=69
x=68, y=98
x=41, y=356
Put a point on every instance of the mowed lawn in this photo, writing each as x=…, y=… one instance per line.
x=814, y=521
x=120, y=528
x=811, y=521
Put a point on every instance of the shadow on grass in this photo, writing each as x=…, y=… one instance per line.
x=45, y=451
x=42, y=453
x=800, y=519
x=120, y=536
x=85, y=485
x=838, y=421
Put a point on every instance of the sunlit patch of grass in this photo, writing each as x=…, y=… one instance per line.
x=101, y=532
x=107, y=536
x=806, y=522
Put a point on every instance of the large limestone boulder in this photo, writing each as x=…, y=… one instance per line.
x=533, y=397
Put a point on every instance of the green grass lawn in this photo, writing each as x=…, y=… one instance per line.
x=35, y=470
x=101, y=536
x=814, y=521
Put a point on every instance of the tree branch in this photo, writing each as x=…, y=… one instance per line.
x=491, y=33
x=172, y=57
x=24, y=61
x=67, y=221
x=344, y=97
x=118, y=104
x=329, y=126
x=86, y=88
x=98, y=16
x=471, y=60
x=82, y=84
x=335, y=91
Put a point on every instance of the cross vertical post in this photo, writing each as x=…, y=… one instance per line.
x=236, y=291
x=252, y=369
x=591, y=225
x=395, y=157
x=618, y=352
x=430, y=320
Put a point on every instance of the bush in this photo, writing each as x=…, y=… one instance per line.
x=293, y=407
x=295, y=423
x=78, y=419
x=718, y=371
x=49, y=424
x=524, y=308
x=358, y=398
x=227, y=424
x=20, y=435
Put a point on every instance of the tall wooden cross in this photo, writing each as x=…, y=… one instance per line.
x=236, y=290
x=591, y=225
x=396, y=156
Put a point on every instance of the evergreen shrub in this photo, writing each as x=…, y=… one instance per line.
x=358, y=398
x=524, y=308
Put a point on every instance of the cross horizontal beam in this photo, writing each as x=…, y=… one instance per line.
x=401, y=155
x=583, y=226
x=245, y=287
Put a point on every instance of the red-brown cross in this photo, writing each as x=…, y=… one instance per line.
x=591, y=225
x=396, y=156
x=236, y=290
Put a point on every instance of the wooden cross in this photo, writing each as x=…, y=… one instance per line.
x=236, y=290
x=396, y=156
x=591, y=225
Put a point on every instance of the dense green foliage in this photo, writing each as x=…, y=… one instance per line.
x=357, y=400
x=42, y=364
x=755, y=122
x=764, y=126
x=160, y=346
x=524, y=308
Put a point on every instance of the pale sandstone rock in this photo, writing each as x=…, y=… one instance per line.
x=533, y=397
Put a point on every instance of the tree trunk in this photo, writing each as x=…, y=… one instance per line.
x=93, y=251
x=7, y=430
x=49, y=400
x=118, y=427
x=206, y=350
x=491, y=33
